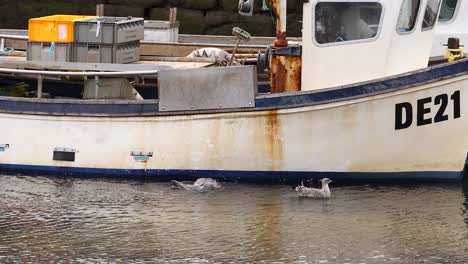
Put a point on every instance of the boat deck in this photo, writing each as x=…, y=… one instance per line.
x=185, y=45
x=174, y=63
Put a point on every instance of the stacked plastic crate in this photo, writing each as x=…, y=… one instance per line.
x=51, y=37
x=93, y=40
x=108, y=39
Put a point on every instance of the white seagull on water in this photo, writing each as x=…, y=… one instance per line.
x=323, y=193
x=200, y=185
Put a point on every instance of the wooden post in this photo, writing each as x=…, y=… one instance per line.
x=100, y=10
x=173, y=14
x=100, y=7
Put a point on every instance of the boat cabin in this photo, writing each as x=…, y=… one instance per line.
x=351, y=41
x=453, y=22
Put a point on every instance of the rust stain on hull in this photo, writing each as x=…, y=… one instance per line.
x=278, y=75
x=285, y=74
x=273, y=141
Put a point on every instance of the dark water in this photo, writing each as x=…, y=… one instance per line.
x=103, y=221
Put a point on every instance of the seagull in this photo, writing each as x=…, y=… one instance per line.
x=200, y=185
x=323, y=193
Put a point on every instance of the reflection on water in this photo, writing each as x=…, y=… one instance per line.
x=465, y=203
x=87, y=221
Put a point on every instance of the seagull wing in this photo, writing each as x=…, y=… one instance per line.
x=313, y=193
x=180, y=185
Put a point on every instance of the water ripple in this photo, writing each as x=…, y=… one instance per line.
x=58, y=220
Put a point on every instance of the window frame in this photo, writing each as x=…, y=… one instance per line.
x=437, y=17
x=350, y=42
x=455, y=14
x=418, y=16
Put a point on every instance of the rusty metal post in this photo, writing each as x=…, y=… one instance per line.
x=286, y=61
x=279, y=9
x=286, y=71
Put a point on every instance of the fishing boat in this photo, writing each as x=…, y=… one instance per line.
x=354, y=99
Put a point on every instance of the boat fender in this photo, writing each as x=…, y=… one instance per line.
x=454, y=50
x=246, y=7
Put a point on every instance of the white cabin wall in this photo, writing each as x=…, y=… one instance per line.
x=456, y=27
x=410, y=51
x=346, y=63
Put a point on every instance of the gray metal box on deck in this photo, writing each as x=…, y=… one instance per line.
x=109, y=30
x=161, y=31
x=106, y=53
x=49, y=51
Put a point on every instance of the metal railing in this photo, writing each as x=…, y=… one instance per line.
x=40, y=74
x=96, y=75
x=3, y=37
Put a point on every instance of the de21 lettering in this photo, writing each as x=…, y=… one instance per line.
x=423, y=109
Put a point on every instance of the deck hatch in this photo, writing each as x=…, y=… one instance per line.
x=64, y=154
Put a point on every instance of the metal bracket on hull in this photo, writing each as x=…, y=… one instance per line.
x=4, y=147
x=291, y=50
x=64, y=154
x=141, y=156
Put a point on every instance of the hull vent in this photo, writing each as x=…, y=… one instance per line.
x=63, y=154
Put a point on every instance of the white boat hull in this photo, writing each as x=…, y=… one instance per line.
x=353, y=138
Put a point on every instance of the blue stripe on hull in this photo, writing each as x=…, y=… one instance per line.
x=162, y=175
x=150, y=107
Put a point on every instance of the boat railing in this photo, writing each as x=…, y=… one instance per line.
x=96, y=74
x=4, y=37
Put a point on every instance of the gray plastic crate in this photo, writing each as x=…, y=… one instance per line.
x=106, y=53
x=161, y=31
x=48, y=51
x=109, y=30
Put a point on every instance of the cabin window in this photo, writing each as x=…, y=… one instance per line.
x=447, y=10
x=430, y=16
x=408, y=15
x=345, y=21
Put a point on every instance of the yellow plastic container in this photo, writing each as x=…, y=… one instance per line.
x=56, y=28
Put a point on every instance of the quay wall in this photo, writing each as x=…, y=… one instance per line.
x=214, y=17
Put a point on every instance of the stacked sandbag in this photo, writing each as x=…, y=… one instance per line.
x=216, y=17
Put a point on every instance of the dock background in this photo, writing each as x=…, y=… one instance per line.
x=207, y=17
